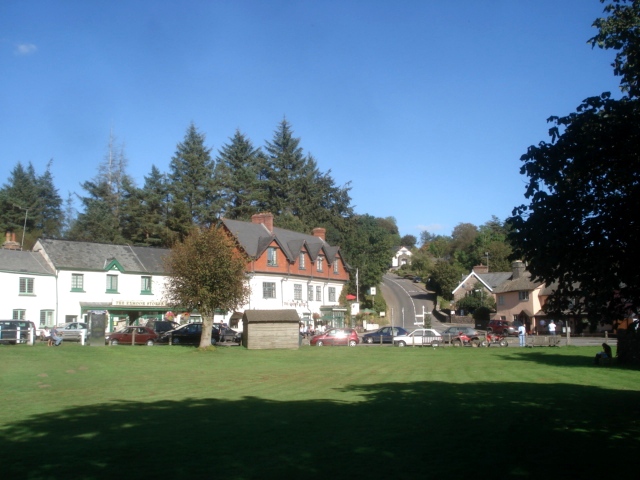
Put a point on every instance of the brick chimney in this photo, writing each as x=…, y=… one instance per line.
x=481, y=269
x=319, y=232
x=10, y=241
x=518, y=268
x=265, y=219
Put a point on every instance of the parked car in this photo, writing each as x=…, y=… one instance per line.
x=227, y=334
x=417, y=280
x=143, y=336
x=336, y=336
x=15, y=331
x=458, y=335
x=385, y=333
x=188, y=334
x=421, y=336
x=73, y=330
x=502, y=327
x=162, y=326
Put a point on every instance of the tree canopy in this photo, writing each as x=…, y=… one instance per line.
x=579, y=230
x=207, y=273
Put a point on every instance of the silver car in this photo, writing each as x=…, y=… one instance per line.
x=73, y=330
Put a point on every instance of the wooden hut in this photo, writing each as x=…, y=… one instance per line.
x=265, y=329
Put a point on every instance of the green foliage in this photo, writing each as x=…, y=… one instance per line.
x=445, y=278
x=30, y=205
x=482, y=315
x=409, y=241
x=582, y=222
x=238, y=172
x=192, y=186
x=206, y=274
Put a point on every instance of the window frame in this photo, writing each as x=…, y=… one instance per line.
x=302, y=261
x=332, y=294
x=297, y=292
x=146, y=279
x=48, y=320
x=318, y=293
x=74, y=282
x=310, y=295
x=319, y=264
x=272, y=257
x=268, y=289
x=111, y=280
x=19, y=314
x=26, y=286
x=335, y=267
x=523, y=295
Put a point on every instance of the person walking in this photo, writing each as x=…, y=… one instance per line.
x=522, y=333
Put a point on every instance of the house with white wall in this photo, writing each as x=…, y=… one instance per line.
x=401, y=257
x=62, y=281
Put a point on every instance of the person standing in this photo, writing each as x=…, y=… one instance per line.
x=522, y=333
x=552, y=328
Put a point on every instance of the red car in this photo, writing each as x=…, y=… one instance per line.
x=336, y=336
x=143, y=336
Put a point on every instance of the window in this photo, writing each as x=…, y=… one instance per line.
x=523, y=295
x=112, y=284
x=500, y=299
x=145, y=285
x=310, y=293
x=332, y=294
x=335, y=267
x=515, y=318
x=268, y=290
x=26, y=286
x=46, y=318
x=19, y=314
x=318, y=293
x=272, y=257
x=319, y=262
x=301, y=263
x=297, y=291
x=77, y=282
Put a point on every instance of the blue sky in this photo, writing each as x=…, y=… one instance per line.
x=425, y=106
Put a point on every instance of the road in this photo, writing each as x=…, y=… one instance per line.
x=405, y=300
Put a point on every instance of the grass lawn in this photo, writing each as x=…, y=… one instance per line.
x=334, y=412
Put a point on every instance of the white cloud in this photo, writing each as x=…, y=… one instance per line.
x=25, y=49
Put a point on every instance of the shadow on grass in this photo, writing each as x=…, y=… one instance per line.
x=396, y=430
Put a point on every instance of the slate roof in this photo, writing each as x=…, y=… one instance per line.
x=16, y=261
x=254, y=238
x=269, y=316
x=522, y=283
x=69, y=255
x=494, y=279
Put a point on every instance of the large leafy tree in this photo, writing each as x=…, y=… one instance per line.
x=207, y=273
x=581, y=226
x=192, y=187
x=238, y=172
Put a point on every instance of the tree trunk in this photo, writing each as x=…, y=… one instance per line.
x=207, y=327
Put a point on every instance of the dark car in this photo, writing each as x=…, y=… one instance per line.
x=227, y=334
x=502, y=327
x=336, y=336
x=384, y=333
x=16, y=331
x=162, y=326
x=189, y=334
x=133, y=334
x=460, y=335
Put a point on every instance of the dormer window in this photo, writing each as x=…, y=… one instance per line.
x=319, y=263
x=272, y=257
x=301, y=263
x=335, y=267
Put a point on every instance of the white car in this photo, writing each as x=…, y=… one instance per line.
x=421, y=336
